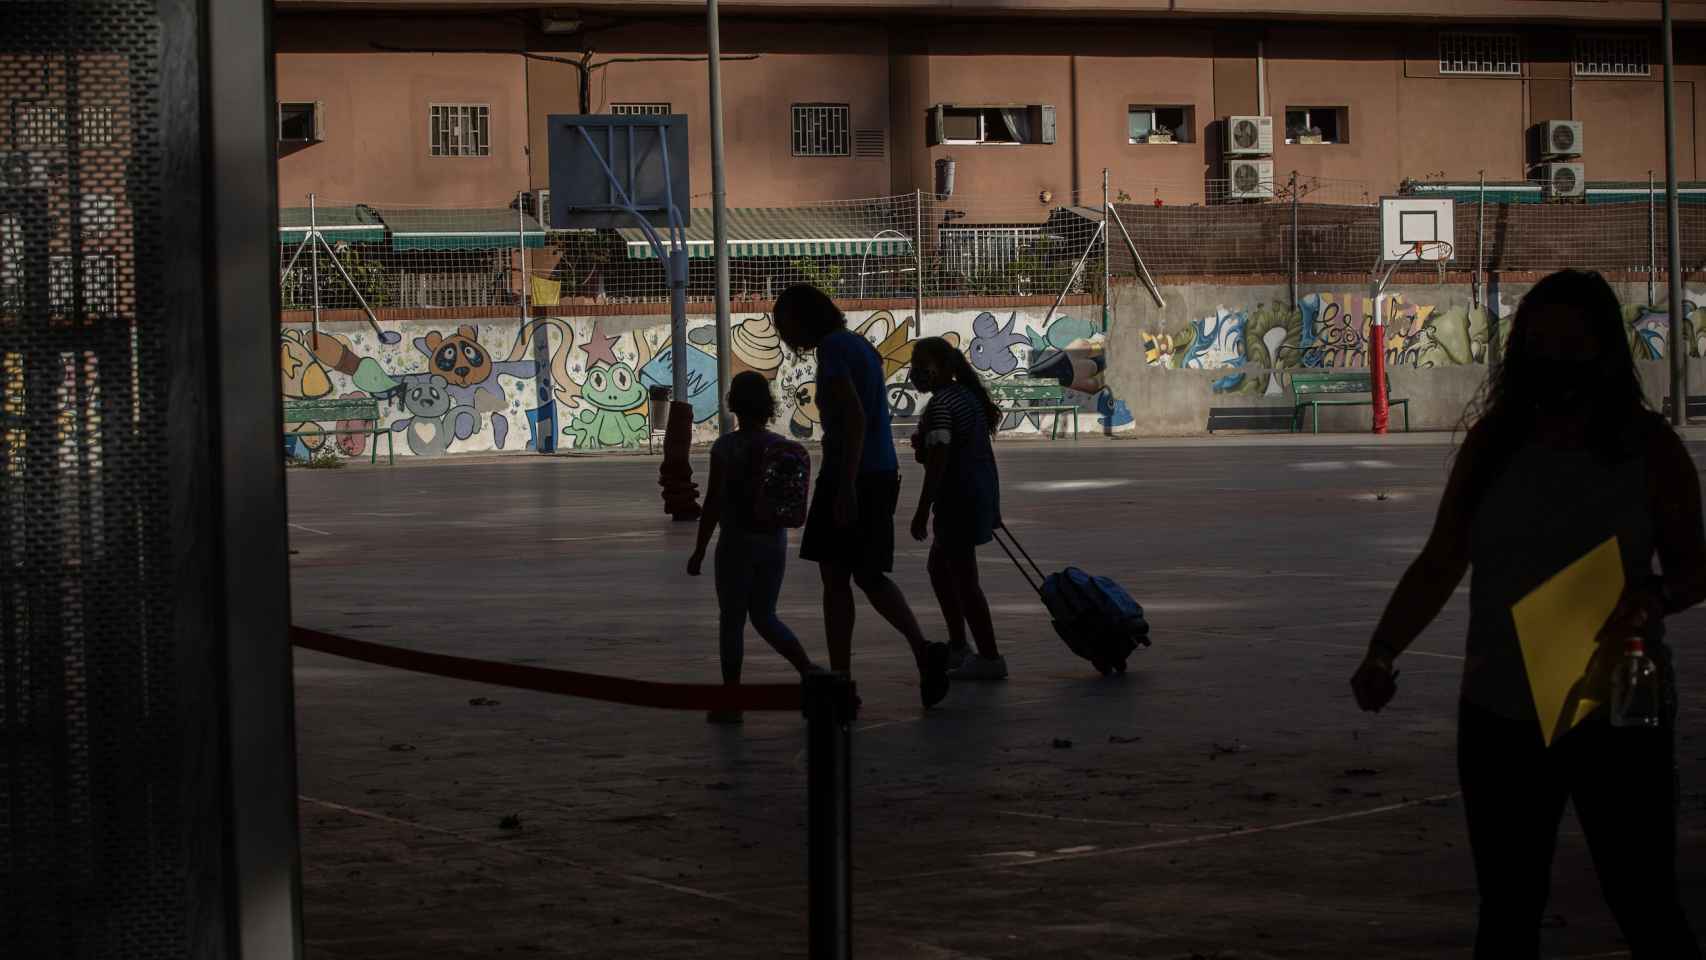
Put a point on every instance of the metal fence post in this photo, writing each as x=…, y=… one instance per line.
x=314, y=252
x=1652, y=242
x=828, y=703
x=1107, y=284
x=918, y=262
x=1480, y=239
x=1293, y=188
x=521, y=253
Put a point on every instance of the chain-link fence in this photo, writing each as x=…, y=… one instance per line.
x=501, y=258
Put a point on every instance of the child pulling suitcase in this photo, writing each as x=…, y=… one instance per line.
x=1095, y=617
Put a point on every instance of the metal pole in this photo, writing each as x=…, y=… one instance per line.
x=1107, y=288
x=521, y=252
x=828, y=702
x=1293, y=189
x=1678, y=349
x=1377, y=361
x=314, y=232
x=1652, y=241
x=1480, y=239
x=678, y=321
x=918, y=263
x=719, y=218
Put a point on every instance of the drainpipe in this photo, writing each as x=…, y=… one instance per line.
x=1261, y=78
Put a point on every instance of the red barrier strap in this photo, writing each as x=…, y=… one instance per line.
x=590, y=686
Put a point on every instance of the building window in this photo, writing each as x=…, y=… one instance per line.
x=301, y=122
x=952, y=123
x=1498, y=54
x=11, y=266
x=821, y=130
x=1317, y=125
x=461, y=130
x=1158, y=125
x=1613, y=55
x=100, y=285
x=640, y=109
x=40, y=124
x=98, y=126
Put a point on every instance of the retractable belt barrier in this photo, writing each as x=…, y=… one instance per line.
x=826, y=698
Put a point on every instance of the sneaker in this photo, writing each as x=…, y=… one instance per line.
x=725, y=717
x=933, y=678
x=958, y=653
x=980, y=668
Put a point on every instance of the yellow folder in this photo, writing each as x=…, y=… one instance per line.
x=1556, y=625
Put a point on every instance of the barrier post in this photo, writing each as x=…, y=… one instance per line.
x=828, y=704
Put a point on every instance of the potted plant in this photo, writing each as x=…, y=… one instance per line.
x=1160, y=135
x=1312, y=135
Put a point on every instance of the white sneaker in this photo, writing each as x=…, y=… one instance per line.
x=980, y=668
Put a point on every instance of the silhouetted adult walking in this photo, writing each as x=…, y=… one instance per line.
x=850, y=526
x=1562, y=456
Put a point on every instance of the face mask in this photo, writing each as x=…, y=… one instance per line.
x=918, y=380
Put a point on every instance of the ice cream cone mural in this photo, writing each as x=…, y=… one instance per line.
x=757, y=347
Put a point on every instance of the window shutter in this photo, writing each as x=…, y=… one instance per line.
x=319, y=121
x=1045, y=123
x=937, y=133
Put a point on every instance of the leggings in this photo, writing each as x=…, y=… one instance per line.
x=1624, y=787
x=749, y=568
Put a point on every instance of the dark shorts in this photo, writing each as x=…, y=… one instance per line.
x=968, y=517
x=868, y=545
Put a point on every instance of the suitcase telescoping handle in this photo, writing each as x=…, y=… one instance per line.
x=1036, y=584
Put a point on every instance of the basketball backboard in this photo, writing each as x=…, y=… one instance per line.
x=1408, y=221
x=646, y=157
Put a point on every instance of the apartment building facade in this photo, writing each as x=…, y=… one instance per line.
x=449, y=105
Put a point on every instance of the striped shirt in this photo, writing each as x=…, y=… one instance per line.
x=953, y=416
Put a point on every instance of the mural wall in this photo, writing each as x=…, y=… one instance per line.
x=1255, y=343
x=581, y=384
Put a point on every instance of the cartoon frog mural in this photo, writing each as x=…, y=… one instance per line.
x=613, y=393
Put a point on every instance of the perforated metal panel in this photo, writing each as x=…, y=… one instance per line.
x=92, y=821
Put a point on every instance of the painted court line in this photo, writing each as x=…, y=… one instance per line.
x=308, y=529
x=560, y=861
x=1168, y=844
x=1116, y=823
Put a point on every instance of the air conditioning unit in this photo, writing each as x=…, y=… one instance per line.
x=1249, y=136
x=28, y=170
x=1561, y=138
x=1249, y=179
x=1563, y=180
x=542, y=207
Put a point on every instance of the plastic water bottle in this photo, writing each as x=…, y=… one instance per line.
x=1636, y=697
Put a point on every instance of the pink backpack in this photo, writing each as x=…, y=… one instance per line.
x=780, y=483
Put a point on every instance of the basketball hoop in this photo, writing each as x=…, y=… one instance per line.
x=1437, y=252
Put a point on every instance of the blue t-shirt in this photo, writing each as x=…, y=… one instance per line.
x=846, y=354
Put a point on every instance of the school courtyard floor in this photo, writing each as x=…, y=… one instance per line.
x=1223, y=799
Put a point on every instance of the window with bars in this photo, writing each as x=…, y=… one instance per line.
x=1495, y=54
x=11, y=267
x=100, y=285
x=98, y=125
x=640, y=109
x=39, y=124
x=460, y=129
x=821, y=130
x=1613, y=55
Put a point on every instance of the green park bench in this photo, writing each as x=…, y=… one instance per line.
x=312, y=413
x=1695, y=406
x=1025, y=396
x=1317, y=390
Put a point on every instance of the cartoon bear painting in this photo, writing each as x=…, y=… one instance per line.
x=435, y=420
x=472, y=377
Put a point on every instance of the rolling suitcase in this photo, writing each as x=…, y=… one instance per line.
x=1094, y=616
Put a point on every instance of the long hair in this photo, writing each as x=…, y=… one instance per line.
x=804, y=308
x=750, y=398
x=1604, y=389
x=945, y=355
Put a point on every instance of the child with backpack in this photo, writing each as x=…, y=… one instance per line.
x=756, y=491
x=963, y=489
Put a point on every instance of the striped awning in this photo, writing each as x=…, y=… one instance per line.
x=356, y=224
x=782, y=232
x=417, y=228
x=1531, y=192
